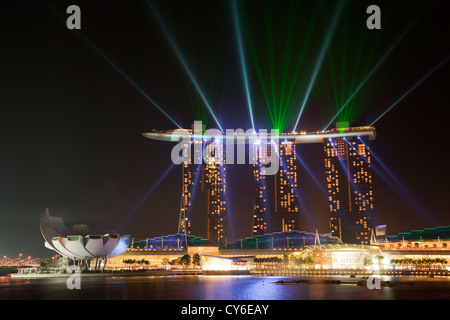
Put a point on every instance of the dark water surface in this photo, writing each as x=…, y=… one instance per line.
x=219, y=288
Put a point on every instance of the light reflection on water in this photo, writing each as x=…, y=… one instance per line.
x=220, y=288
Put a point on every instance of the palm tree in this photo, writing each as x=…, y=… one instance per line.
x=299, y=262
x=443, y=262
x=379, y=257
x=196, y=261
x=285, y=260
x=420, y=263
x=396, y=262
x=185, y=260
x=308, y=261
x=429, y=262
x=407, y=262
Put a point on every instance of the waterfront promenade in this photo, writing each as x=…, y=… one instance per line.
x=264, y=273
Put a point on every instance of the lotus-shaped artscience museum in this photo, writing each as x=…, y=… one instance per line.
x=79, y=244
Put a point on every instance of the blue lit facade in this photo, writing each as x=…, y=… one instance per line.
x=169, y=242
x=282, y=240
x=441, y=232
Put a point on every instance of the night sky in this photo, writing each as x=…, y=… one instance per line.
x=71, y=121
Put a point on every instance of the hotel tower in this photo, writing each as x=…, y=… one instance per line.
x=276, y=202
x=349, y=184
x=207, y=183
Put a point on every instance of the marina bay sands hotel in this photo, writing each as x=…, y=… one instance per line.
x=276, y=196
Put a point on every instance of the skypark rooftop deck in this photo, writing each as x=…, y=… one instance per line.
x=297, y=137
